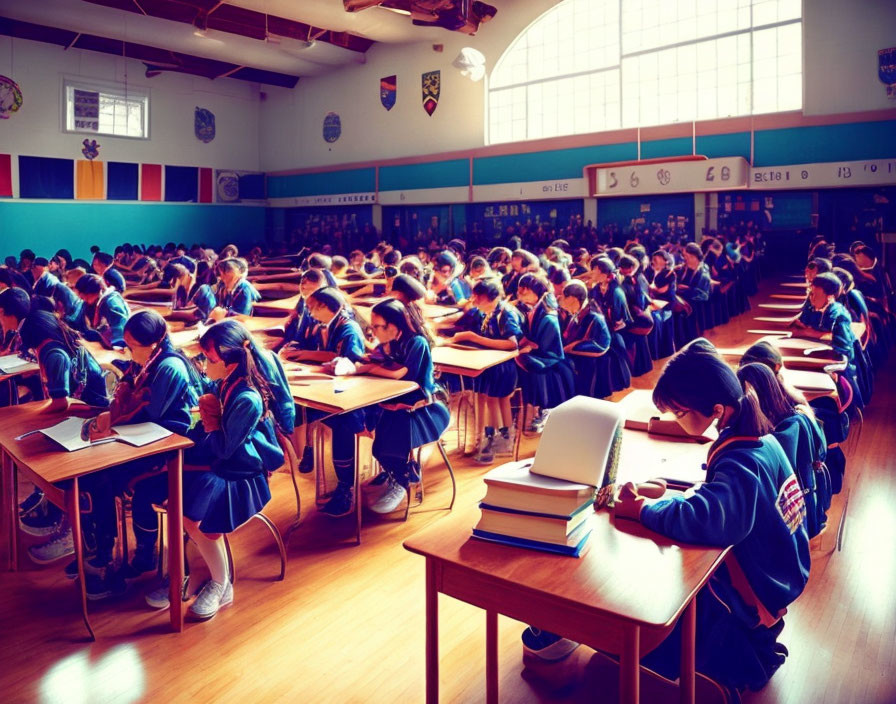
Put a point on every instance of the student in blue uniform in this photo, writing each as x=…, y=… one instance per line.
x=752, y=500
x=496, y=325
x=411, y=420
x=159, y=386
x=236, y=295
x=44, y=281
x=193, y=301
x=610, y=296
x=337, y=335
x=300, y=327
x=643, y=324
x=694, y=288
x=827, y=316
x=547, y=378
x=586, y=340
x=521, y=262
x=104, y=265
x=447, y=284
x=239, y=446
x=801, y=438
x=411, y=292
x=105, y=312
x=322, y=263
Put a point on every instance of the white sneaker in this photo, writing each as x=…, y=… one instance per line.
x=59, y=546
x=486, y=453
x=503, y=447
x=213, y=596
x=538, y=422
x=157, y=597
x=390, y=500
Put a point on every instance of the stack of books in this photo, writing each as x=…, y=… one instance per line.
x=546, y=503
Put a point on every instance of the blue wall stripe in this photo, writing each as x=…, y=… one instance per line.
x=807, y=145
x=658, y=148
x=46, y=227
x=544, y=166
x=719, y=145
x=320, y=184
x=433, y=174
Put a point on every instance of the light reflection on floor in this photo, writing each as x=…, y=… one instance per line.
x=115, y=675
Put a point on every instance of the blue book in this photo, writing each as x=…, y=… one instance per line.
x=573, y=546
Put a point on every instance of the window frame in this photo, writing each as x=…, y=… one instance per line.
x=109, y=88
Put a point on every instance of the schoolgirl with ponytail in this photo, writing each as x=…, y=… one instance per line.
x=751, y=500
x=411, y=292
x=547, y=378
x=493, y=324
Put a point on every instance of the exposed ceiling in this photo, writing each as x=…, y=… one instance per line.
x=266, y=41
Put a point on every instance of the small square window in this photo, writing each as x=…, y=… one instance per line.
x=118, y=111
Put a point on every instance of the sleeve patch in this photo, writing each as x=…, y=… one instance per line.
x=790, y=504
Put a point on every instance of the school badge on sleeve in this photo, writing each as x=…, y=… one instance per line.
x=432, y=85
x=388, y=87
x=790, y=503
x=332, y=127
x=204, y=125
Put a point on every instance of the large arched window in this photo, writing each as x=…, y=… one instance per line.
x=592, y=65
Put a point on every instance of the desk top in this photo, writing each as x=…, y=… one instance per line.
x=53, y=464
x=795, y=307
x=281, y=306
x=809, y=382
x=354, y=391
x=468, y=361
x=627, y=572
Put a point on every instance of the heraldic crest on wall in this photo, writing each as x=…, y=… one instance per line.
x=432, y=85
x=204, y=125
x=332, y=127
x=388, y=88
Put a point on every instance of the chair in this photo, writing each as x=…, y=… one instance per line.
x=291, y=464
x=275, y=532
x=419, y=483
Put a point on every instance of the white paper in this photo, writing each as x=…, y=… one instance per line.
x=577, y=439
x=68, y=434
x=140, y=434
x=12, y=363
x=343, y=366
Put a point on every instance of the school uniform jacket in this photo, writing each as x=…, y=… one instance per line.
x=240, y=300
x=45, y=285
x=697, y=281
x=106, y=319
x=836, y=320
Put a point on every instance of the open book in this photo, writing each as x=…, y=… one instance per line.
x=68, y=434
x=14, y=364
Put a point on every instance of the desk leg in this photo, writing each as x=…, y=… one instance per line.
x=687, y=680
x=73, y=509
x=432, y=634
x=176, y=540
x=10, y=512
x=491, y=657
x=629, y=666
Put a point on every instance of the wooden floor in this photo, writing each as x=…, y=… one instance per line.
x=347, y=624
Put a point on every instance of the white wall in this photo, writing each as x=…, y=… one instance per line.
x=292, y=120
x=36, y=129
x=841, y=39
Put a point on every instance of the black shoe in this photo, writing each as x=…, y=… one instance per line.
x=379, y=479
x=103, y=586
x=32, y=501
x=340, y=504
x=92, y=565
x=42, y=521
x=306, y=464
x=413, y=472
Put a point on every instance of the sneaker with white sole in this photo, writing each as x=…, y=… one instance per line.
x=547, y=646
x=41, y=523
x=92, y=565
x=486, y=454
x=158, y=596
x=59, y=546
x=375, y=488
x=390, y=499
x=538, y=422
x=34, y=500
x=213, y=597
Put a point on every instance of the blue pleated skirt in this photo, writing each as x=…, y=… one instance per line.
x=399, y=432
x=222, y=505
x=498, y=381
x=549, y=387
x=592, y=376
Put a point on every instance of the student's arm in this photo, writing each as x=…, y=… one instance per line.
x=242, y=302
x=379, y=370
x=56, y=366
x=490, y=342
x=720, y=512
x=236, y=426
x=117, y=315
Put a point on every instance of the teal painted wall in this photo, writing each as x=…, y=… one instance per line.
x=545, y=166
x=434, y=174
x=807, y=145
x=46, y=227
x=659, y=148
x=320, y=184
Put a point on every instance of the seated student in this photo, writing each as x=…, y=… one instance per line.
x=68, y=372
x=60, y=262
x=411, y=420
x=693, y=278
x=586, y=341
x=751, y=500
x=67, y=305
x=499, y=260
x=300, y=327
x=801, y=438
x=160, y=386
x=104, y=313
x=411, y=293
x=104, y=265
x=337, y=335
x=610, y=297
x=236, y=295
x=44, y=281
x=827, y=316
x=447, y=284
x=477, y=269
x=26, y=259
x=547, y=377
x=521, y=262
x=14, y=308
x=496, y=325
x=559, y=276
x=322, y=263
x=180, y=257
x=11, y=278
x=644, y=320
x=664, y=283
x=192, y=301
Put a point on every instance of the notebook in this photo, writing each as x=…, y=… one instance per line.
x=14, y=364
x=68, y=434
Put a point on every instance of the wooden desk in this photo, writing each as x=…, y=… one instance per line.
x=801, y=285
x=783, y=322
x=793, y=307
x=337, y=395
x=813, y=384
x=47, y=465
x=623, y=596
x=278, y=308
x=789, y=297
x=152, y=296
x=798, y=345
x=360, y=283
x=468, y=361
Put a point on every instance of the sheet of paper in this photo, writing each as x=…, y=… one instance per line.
x=140, y=434
x=12, y=363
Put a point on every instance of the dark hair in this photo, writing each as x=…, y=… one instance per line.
x=537, y=284
x=665, y=256
x=41, y=325
x=65, y=254
x=694, y=250
x=390, y=272
x=27, y=254
x=411, y=266
x=774, y=404
x=866, y=250
x=43, y=303
x=769, y=356
x=558, y=275
x=15, y=302
x=446, y=259
x=848, y=263
x=319, y=261
x=241, y=265
x=819, y=265
x=329, y=297
x=339, y=261
x=627, y=261
x=846, y=281
x=529, y=259
x=11, y=261
x=228, y=251
x=488, y=288
x=828, y=282
x=613, y=254
x=90, y=284
x=234, y=345
x=477, y=263
x=94, y=249
x=697, y=378
x=147, y=327
x=395, y=313
x=392, y=257
x=498, y=255
x=409, y=287
x=578, y=290
x=81, y=264
x=104, y=258
x=822, y=250
x=314, y=275
x=602, y=264
x=40, y=261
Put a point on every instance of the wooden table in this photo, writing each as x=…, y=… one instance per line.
x=813, y=384
x=623, y=596
x=57, y=473
x=468, y=361
x=793, y=307
x=280, y=307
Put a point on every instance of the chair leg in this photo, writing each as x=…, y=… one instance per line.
x=229, y=559
x=278, y=539
x=357, y=490
x=295, y=486
x=450, y=473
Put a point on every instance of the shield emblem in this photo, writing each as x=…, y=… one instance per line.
x=387, y=91
x=431, y=87
x=332, y=127
x=204, y=125
x=886, y=65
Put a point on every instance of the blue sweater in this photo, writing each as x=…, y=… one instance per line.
x=752, y=501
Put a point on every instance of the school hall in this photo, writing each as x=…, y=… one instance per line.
x=441, y=350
